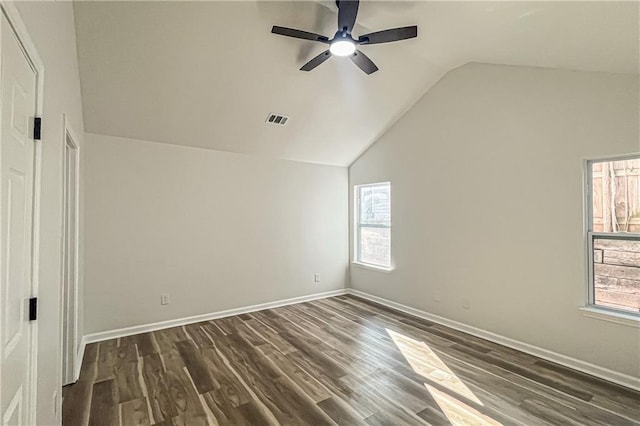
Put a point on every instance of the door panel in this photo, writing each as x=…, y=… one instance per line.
x=18, y=103
x=14, y=412
x=14, y=297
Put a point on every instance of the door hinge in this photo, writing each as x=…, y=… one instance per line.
x=37, y=128
x=33, y=309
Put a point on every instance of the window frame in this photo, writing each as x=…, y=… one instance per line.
x=357, y=189
x=591, y=235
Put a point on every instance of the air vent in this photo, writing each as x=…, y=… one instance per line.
x=277, y=119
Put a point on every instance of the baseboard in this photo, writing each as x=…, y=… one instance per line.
x=567, y=361
x=145, y=328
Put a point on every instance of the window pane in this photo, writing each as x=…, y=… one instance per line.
x=616, y=270
x=375, y=246
x=374, y=222
x=366, y=203
x=616, y=196
x=375, y=205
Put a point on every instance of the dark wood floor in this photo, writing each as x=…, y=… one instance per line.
x=340, y=360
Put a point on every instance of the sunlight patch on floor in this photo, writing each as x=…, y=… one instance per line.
x=458, y=412
x=429, y=365
x=426, y=363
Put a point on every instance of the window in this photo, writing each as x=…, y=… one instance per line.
x=373, y=224
x=613, y=234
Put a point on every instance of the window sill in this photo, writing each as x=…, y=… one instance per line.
x=630, y=320
x=372, y=267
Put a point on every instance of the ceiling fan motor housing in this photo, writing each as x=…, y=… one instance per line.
x=343, y=36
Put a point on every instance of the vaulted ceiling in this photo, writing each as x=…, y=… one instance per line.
x=207, y=74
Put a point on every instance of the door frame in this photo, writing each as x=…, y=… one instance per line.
x=19, y=28
x=69, y=138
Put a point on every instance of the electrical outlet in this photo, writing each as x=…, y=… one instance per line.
x=316, y=277
x=164, y=299
x=465, y=303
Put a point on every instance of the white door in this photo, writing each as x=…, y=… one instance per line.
x=18, y=105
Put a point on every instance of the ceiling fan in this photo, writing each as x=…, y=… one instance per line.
x=343, y=43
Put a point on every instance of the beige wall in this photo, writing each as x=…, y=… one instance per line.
x=214, y=230
x=486, y=177
x=51, y=27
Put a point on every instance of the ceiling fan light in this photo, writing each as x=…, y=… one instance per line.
x=342, y=48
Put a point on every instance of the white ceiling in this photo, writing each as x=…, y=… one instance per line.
x=207, y=74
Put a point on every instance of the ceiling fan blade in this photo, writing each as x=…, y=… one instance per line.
x=387, y=36
x=363, y=62
x=347, y=12
x=316, y=61
x=290, y=32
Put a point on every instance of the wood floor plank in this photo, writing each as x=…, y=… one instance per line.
x=166, y=339
x=182, y=392
x=340, y=360
x=338, y=346
x=448, y=333
x=196, y=365
x=310, y=349
x=379, y=323
x=153, y=372
x=380, y=326
x=266, y=319
x=274, y=391
x=212, y=329
x=528, y=373
x=382, y=389
x=254, y=415
x=146, y=344
x=504, y=408
x=227, y=413
x=107, y=360
x=228, y=325
x=126, y=374
x=389, y=409
x=341, y=412
x=199, y=336
x=433, y=416
x=363, y=405
x=252, y=336
x=371, y=346
x=76, y=395
x=89, y=359
x=223, y=412
x=268, y=334
x=104, y=406
x=593, y=385
x=226, y=381
x=310, y=386
x=334, y=307
x=135, y=413
x=79, y=394
x=513, y=390
x=127, y=340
